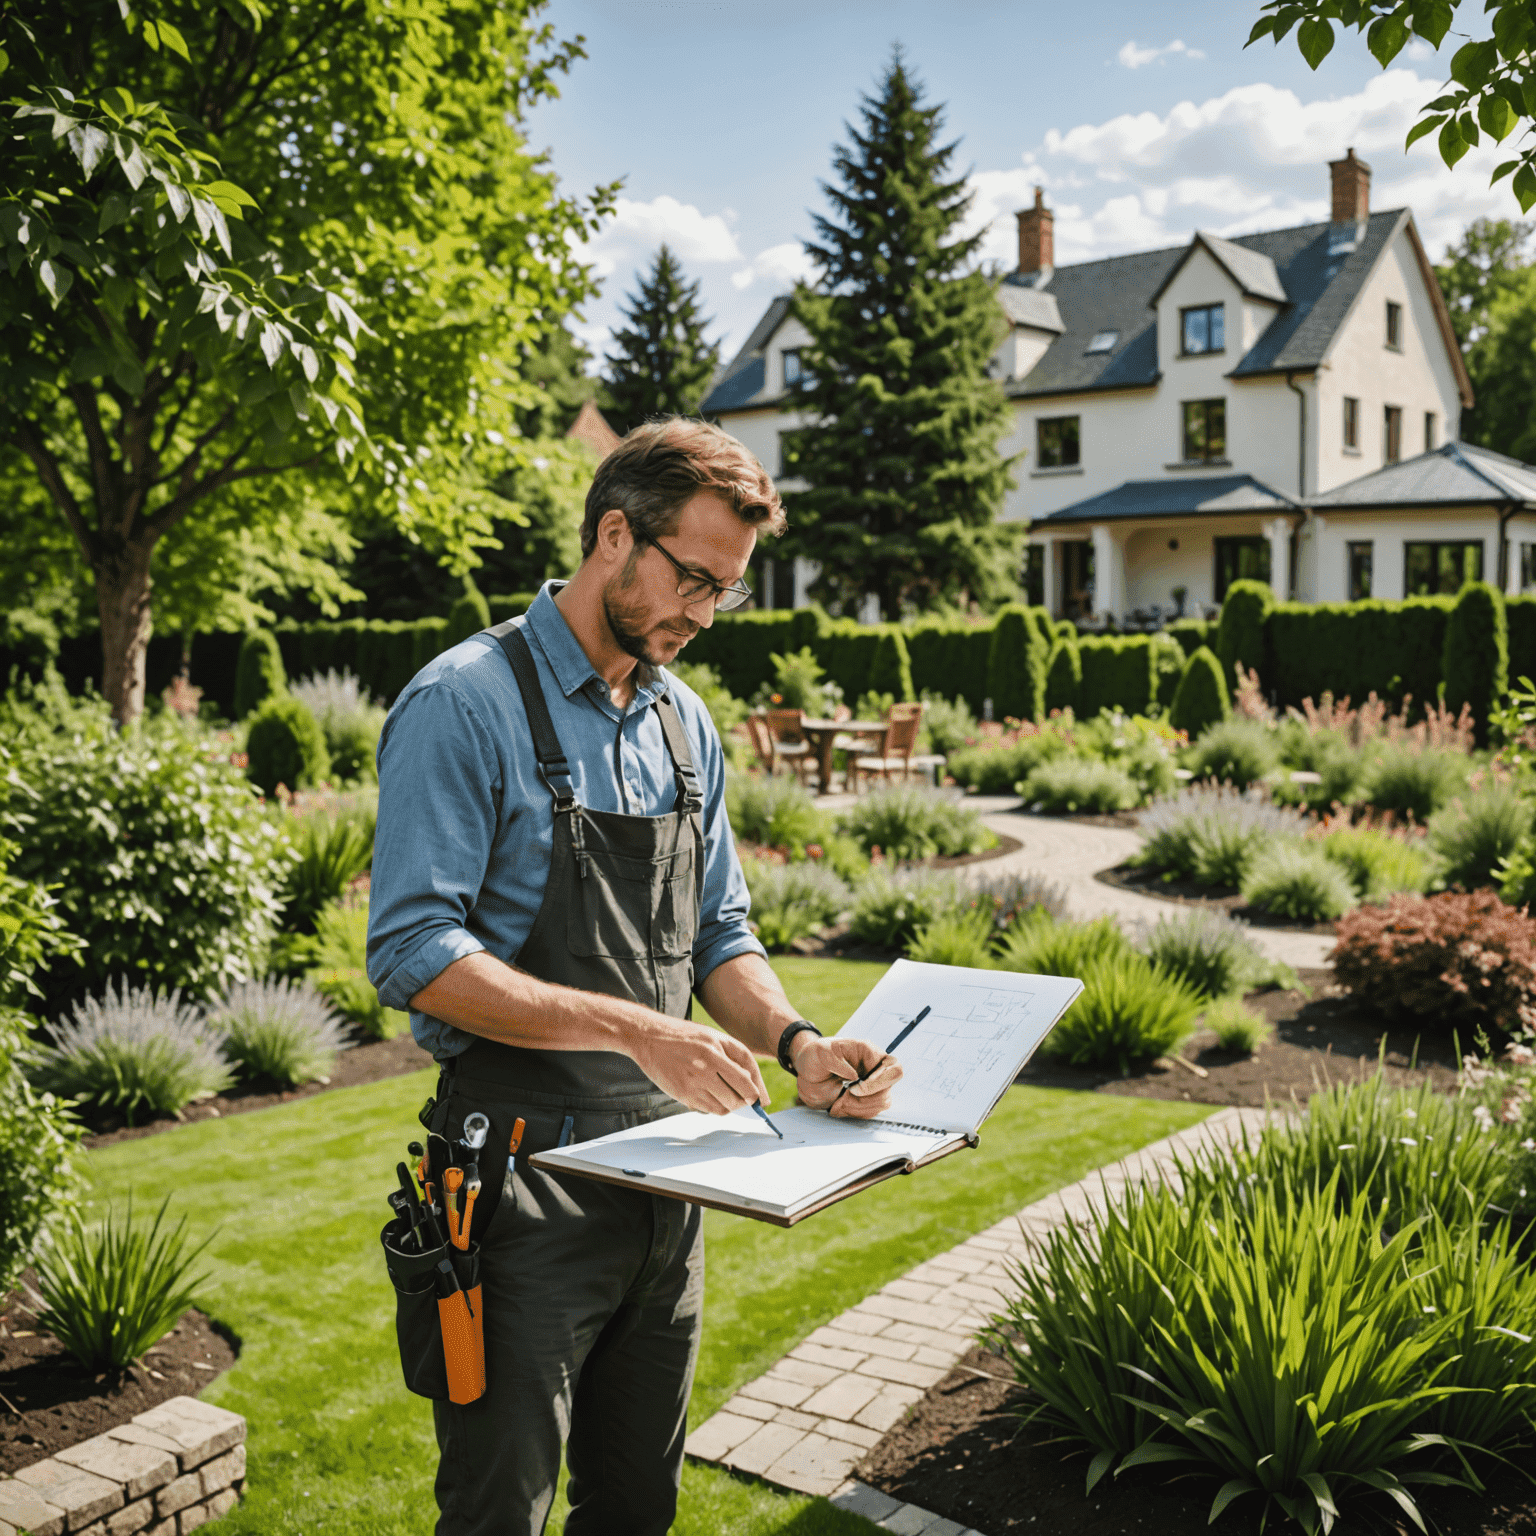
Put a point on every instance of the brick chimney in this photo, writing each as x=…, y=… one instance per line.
x=1351, y=189
x=1037, y=242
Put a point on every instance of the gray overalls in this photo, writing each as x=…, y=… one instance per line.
x=593, y=1295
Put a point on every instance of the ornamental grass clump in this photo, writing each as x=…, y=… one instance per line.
x=1073, y=786
x=1378, y=862
x=1298, y=880
x=1215, y=953
x=909, y=823
x=955, y=938
x=1237, y=1027
x=1130, y=1012
x=1412, y=782
x=1455, y=961
x=279, y=1031
x=1475, y=835
x=132, y=1052
x=330, y=855
x=1061, y=949
x=112, y=1293
x=1209, y=833
x=774, y=812
x=1237, y=752
x=792, y=901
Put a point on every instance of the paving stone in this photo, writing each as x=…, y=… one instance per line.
x=750, y=1407
x=7, y=1530
x=80, y=1494
x=763, y=1447
x=835, y=1338
x=95, y=1528
x=861, y=1499
x=888, y=1348
x=940, y=1359
x=131, y=1519
x=911, y=1290
x=773, y=1389
x=945, y=1528
x=221, y=1503
x=804, y=1372
x=200, y=1430
x=795, y=1419
x=186, y=1490
x=190, y=1519
x=23, y=1506
x=887, y=1409
x=139, y=1468
x=971, y=1290
x=908, y=1371
x=719, y=1434
x=909, y=1520
x=855, y=1434
x=136, y=1434
x=901, y=1311
x=222, y=1471
x=844, y=1398
x=912, y=1333
x=821, y=1354
x=814, y=1465
x=859, y=1324
x=166, y=1527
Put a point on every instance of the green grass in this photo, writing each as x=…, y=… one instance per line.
x=338, y=1445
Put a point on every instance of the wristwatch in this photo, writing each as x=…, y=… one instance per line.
x=790, y=1031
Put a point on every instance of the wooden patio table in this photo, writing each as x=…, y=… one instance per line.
x=823, y=736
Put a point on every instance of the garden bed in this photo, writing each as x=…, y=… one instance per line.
x=962, y=1454
x=1321, y=1035
x=49, y=1402
x=363, y=1063
x=1188, y=893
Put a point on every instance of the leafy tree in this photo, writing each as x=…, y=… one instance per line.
x=1490, y=286
x=901, y=447
x=1493, y=79
x=232, y=233
x=663, y=364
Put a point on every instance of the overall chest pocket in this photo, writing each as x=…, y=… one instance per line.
x=636, y=899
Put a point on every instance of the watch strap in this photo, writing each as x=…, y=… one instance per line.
x=800, y=1026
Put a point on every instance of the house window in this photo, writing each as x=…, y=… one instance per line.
x=1527, y=567
x=1202, y=329
x=1076, y=578
x=1351, y=424
x=794, y=370
x=1103, y=341
x=1441, y=566
x=1205, y=429
x=1056, y=441
x=1392, y=435
x=1394, y=326
x=1240, y=560
x=1359, y=571
x=1034, y=574
x=1429, y=431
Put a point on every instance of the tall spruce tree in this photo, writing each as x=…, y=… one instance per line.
x=901, y=450
x=663, y=364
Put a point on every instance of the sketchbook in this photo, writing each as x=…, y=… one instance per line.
x=974, y=1032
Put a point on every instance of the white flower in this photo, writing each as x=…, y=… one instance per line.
x=1484, y=1117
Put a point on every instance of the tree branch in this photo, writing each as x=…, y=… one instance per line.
x=180, y=410
x=290, y=61
x=216, y=480
x=98, y=447
x=52, y=476
x=193, y=457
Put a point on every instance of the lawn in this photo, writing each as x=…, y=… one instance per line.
x=338, y=1445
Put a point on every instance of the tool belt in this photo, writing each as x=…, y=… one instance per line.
x=439, y=1320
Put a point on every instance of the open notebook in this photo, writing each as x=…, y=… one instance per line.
x=980, y=1029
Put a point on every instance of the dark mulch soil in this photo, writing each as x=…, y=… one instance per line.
x=1005, y=845
x=1146, y=882
x=361, y=1064
x=1321, y=1036
x=48, y=1401
x=962, y=1454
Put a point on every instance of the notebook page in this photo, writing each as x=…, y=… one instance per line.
x=982, y=1026
x=737, y=1157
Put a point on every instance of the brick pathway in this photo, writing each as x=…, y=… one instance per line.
x=807, y=1422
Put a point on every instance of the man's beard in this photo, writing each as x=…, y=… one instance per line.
x=623, y=620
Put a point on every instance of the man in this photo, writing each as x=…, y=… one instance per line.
x=553, y=877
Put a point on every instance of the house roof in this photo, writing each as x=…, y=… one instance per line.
x=744, y=376
x=1453, y=473
x=1031, y=307
x=591, y=427
x=1252, y=271
x=1177, y=496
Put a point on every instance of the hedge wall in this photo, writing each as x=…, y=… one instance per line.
x=1394, y=648
x=1117, y=673
x=949, y=657
x=1521, y=614
x=1192, y=634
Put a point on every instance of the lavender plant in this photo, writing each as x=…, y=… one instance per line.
x=281, y=1031
x=1209, y=833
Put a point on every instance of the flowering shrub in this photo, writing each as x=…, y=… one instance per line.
x=1210, y=833
x=1459, y=961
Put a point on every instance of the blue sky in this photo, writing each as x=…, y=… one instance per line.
x=1143, y=123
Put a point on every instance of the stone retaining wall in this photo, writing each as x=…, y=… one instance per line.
x=167, y=1472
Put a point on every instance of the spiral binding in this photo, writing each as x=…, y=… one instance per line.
x=907, y=1125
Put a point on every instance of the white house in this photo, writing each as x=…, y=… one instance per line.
x=1187, y=416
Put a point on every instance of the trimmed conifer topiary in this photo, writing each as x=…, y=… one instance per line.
x=1202, y=699
x=1016, y=663
x=259, y=672
x=890, y=669
x=1063, y=676
x=468, y=616
x=1475, y=660
x=285, y=745
x=1240, y=635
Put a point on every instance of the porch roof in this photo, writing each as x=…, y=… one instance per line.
x=1218, y=496
x=1454, y=473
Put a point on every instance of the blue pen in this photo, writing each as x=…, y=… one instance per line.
x=762, y=1114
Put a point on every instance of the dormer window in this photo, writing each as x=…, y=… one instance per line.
x=1203, y=329
x=794, y=370
x=1103, y=341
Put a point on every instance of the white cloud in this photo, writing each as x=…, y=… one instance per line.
x=781, y=265
x=627, y=243
x=1133, y=55
x=1253, y=158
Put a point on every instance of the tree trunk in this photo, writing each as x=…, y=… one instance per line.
x=123, y=599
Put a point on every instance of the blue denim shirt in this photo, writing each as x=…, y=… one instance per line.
x=466, y=824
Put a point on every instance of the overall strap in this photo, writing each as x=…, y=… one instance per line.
x=546, y=744
x=691, y=796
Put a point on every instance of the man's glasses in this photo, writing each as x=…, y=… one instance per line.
x=694, y=587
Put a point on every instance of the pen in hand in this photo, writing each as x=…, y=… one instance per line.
x=762, y=1114
x=890, y=1050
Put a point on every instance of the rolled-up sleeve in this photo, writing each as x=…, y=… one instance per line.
x=724, y=931
x=439, y=787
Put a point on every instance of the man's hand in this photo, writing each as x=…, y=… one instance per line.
x=701, y=1067
x=826, y=1068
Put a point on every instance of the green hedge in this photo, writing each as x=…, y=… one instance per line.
x=509, y=605
x=949, y=657
x=384, y=654
x=1118, y=673
x=738, y=645
x=1476, y=658
x=1192, y=634
x=1241, y=640
x=1394, y=648
x=1016, y=663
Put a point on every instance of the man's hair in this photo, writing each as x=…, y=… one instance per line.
x=658, y=468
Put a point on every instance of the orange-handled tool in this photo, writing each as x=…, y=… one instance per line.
x=452, y=1179
x=517, y=1141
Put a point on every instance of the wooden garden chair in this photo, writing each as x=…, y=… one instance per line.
x=902, y=723
x=771, y=752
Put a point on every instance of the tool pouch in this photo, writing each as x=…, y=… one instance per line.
x=439, y=1326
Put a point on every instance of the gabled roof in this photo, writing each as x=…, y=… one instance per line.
x=744, y=376
x=591, y=427
x=1176, y=496
x=1453, y=473
x=1252, y=271
x=1028, y=306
